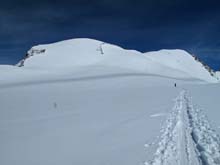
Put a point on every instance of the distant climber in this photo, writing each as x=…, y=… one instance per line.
x=175, y=85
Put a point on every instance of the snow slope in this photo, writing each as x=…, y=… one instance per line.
x=106, y=107
x=181, y=60
x=77, y=53
x=96, y=121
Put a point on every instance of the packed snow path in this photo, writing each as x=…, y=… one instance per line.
x=187, y=138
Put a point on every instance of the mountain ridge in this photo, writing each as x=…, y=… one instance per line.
x=86, y=52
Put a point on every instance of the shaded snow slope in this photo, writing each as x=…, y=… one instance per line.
x=84, y=52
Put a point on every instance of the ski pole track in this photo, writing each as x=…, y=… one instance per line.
x=187, y=137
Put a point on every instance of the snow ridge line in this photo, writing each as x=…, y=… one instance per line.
x=187, y=137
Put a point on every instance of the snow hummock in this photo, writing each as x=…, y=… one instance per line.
x=78, y=53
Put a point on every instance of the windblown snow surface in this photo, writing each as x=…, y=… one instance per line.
x=77, y=103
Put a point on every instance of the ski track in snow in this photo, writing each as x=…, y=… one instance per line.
x=187, y=137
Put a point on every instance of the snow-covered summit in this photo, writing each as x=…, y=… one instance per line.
x=81, y=52
x=88, y=52
x=69, y=52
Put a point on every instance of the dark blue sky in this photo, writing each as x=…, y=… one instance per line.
x=142, y=25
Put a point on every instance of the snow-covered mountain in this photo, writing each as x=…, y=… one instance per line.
x=88, y=52
x=83, y=101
